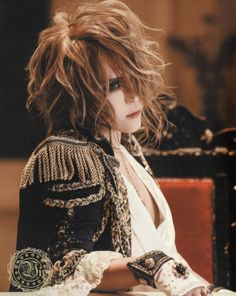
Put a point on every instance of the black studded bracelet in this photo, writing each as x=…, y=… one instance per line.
x=145, y=267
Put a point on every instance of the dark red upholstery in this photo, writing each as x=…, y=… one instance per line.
x=190, y=201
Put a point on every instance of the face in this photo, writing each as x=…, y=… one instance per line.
x=127, y=107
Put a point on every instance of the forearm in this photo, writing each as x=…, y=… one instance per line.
x=118, y=276
x=155, y=269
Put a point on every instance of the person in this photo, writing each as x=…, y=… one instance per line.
x=88, y=199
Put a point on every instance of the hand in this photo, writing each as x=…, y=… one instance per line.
x=201, y=291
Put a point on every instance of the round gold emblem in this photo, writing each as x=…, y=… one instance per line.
x=30, y=269
x=149, y=263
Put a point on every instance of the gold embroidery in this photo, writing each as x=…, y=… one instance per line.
x=63, y=268
x=132, y=145
x=30, y=269
x=61, y=187
x=61, y=158
x=83, y=201
x=116, y=207
x=120, y=217
x=104, y=221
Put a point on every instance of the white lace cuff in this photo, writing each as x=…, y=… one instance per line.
x=87, y=276
x=170, y=281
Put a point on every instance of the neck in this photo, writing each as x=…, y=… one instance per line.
x=114, y=137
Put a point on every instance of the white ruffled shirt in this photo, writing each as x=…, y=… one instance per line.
x=145, y=236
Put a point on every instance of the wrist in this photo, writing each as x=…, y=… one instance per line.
x=144, y=268
x=177, y=282
x=161, y=271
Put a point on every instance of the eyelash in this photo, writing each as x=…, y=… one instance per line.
x=114, y=85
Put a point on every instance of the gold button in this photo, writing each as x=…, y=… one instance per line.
x=149, y=263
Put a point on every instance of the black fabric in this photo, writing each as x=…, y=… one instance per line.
x=52, y=229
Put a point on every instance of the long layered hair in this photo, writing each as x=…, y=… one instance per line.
x=67, y=82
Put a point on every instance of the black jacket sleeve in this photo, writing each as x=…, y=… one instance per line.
x=61, y=207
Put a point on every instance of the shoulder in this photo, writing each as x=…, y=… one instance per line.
x=63, y=158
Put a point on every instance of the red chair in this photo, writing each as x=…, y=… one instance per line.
x=190, y=201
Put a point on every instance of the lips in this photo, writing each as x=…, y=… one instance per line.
x=136, y=113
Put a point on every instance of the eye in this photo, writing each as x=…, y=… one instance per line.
x=115, y=84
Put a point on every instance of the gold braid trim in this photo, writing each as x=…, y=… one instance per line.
x=135, y=149
x=104, y=221
x=62, y=158
x=63, y=268
x=80, y=201
x=61, y=187
x=120, y=217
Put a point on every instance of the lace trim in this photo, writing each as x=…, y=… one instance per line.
x=87, y=276
x=65, y=267
x=173, y=285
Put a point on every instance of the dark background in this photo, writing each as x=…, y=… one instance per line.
x=20, y=24
x=200, y=43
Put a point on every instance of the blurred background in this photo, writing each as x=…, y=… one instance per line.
x=198, y=38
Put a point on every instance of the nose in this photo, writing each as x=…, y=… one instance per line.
x=131, y=98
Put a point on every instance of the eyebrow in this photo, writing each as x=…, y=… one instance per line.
x=114, y=79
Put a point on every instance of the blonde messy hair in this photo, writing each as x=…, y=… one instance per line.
x=68, y=84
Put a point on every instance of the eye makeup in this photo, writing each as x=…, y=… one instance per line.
x=115, y=83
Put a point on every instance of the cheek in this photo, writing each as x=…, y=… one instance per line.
x=115, y=96
x=116, y=99
x=125, y=124
x=121, y=122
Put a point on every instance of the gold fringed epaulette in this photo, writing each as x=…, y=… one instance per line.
x=62, y=158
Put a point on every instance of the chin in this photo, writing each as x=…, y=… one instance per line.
x=131, y=128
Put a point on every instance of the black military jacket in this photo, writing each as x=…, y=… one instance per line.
x=72, y=197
